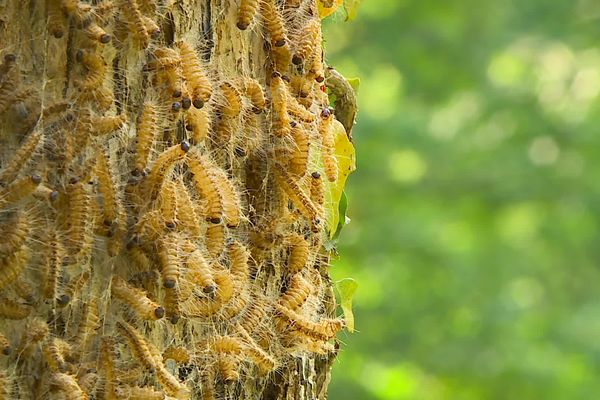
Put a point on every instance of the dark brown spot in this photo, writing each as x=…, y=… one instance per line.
x=53, y=196
x=214, y=220
x=279, y=43
x=10, y=57
x=6, y=351
x=176, y=106
x=198, y=103
x=186, y=103
x=316, y=175
x=35, y=178
x=169, y=283
x=63, y=299
x=297, y=59
x=185, y=146
x=105, y=38
x=320, y=78
x=159, y=312
x=242, y=26
x=176, y=93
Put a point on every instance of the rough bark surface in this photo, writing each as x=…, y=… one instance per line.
x=156, y=240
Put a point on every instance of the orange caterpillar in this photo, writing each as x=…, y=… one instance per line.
x=179, y=354
x=136, y=299
x=19, y=190
x=254, y=91
x=139, y=393
x=21, y=158
x=96, y=70
x=273, y=22
x=279, y=95
x=238, y=257
x=14, y=232
x=307, y=38
x=12, y=266
x=261, y=358
x=327, y=137
x=79, y=210
x=232, y=208
x=296, y=294
x=206, y=185
x=168, y=203
x=135, y=22
x=137, y=345
x=215, y=239
x=299, y=250
x=55, y=351
x=53, y=266
x=197, y=122
x=206, y=306
x=112, y=210
x=227, y=350
x=105, y=125
x=10, y=309
x=151, y=27
x=167, y=63
x=68, y=385
x=93, y=31
x=323, y=330
x=199, y=274
x=24, y=290
x=88, y=380
x=56, y=20
x=233, y=100
x=282, y=58
x=5, y=346
x=317, y=192
x=147, y=130
x=256, y=314
x=171, y=302
x=298, y=111
x=163, y=165
x=74, y=287
x=298, y=161
x=199, y=83
x=45, y=193
x=168, y=255
x=297, y=195
x=186, y=213
x=90, y=321
x=36, y=331
x=315, y=70
x=107, y=356
x=171, y=385
x=246, y=12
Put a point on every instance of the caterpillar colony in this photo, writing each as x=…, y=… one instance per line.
x=161, y=208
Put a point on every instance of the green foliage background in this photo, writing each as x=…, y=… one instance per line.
x=474, y=234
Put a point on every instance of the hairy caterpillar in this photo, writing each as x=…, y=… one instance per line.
x=282, y=58
x=147, y=130
x=307, y=38
x=167, y=62
x=74, y=287
x=163, y=165
x=256, y=314
x=297, y=110
x=298, y=161
x=297, y=195
x=246, y=12
x=135, y=22
x=53, y=259
x=152, y=27
x=296, y=294
x=324, y=329
x=171, y=303
x=136, y=299
x=55, y=351
x=254, y=91
x=233, y=100
x=168, y=203
x=19, y=190
x=14, y=232
x=107, y=357
x=179, y=354
x=90, y=321
x=56, y=20
x=206, y=185
x=317, y=192
x=104, y=125
x=279, y=94
x=139, y=393
x=206, y=306
x=10, y=309
x=215, y=239
x=96, y=70
x=327, y=137
x=171, y=385
x=273, y=22
x=68, y=385
x=79, y=206
x=112, y=210
x=45, y=193
x=137, y=345
x=261, y=358
x=169, y=260
x=186, y=214
x=298, y=255
x=238, y=257
x=199, y=274
x=23, y=290
x=199, y=83
x=5, y=346
x=36, y=331
x=232, y=209
x=13, y=265
x=87, y=381
x=96, y=33
x=198, y=123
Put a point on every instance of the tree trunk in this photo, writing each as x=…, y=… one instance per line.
x=161, y=222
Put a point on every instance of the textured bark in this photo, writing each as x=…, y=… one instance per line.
x=57, y=266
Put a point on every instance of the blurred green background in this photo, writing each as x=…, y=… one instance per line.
x=475, y=207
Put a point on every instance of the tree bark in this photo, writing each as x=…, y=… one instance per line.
x=210, y=245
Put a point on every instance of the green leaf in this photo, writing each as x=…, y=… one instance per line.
x=346, y=289
x=343, y=219
x=351, y=7
x=355, y=83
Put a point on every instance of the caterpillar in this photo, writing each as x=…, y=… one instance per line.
x=163, y=165
x=324, y=329
x=56, y=20
x=199, y=83
x=171, y=385
x=107, y=357
x=90, y=321
x=327, y=137
x=206, y=306
x=152, y=27
x=135, y=22
x=232, y=100
x=5, y=346
x=282, y=58
x=238, y=257
x=279, y=95
x=105, y=125
x=68, y=385
x=199, y=273
x=232, y=209
x=246, y=12
x=79, y=207
x=186, y=214
x=297, y=195
x=306, y=43
x=88, y=381
x=96, y=33
x=315, y=70
x=147, y=131
x=317, y=192
x=206, y=185
x=296, y=294
x=171, y=303
x=74, y=287
x=14, y=232
x=136, y=299
x=10, y=309
x=168, y=203
x=139, y=393
x=167, y=63
x=197, y=122
x=13, y=265
x=298, y=254
x=169, y=260
x=179, y=354
x=298, y=161
x=55, y=351
x=297, y=110
x=256, y=314
x=36, y=331
x=254, y=91
x=261, y=358
x=19, y=190
x=95, y=67
x=43, y=192
x=23, y=290
x=273, y=22
x=215, y=239
x=53, y=260
x=137, y=345
x=112, y=209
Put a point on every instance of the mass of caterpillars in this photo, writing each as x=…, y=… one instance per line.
x=148, y=244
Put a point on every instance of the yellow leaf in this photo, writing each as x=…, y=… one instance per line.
x=346, y=288
x=327, y=11
x=346, y=159
x=351, y=7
